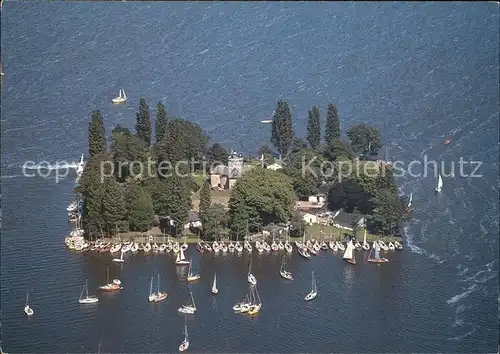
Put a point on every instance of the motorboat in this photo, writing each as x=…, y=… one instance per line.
x=115, y=248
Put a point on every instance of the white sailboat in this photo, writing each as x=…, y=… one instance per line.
x=439, y=184
x=349, y=253
x=189, y=308
x=285, y=274
x=122, y=97
x=376, y=258
x=181, y=259
x=92, y=299
x=215, y=291
x=80, y=166
x=27, y=309
x=152, y=295
x=366, y=245
x=119, y=260
x=158, y=295
x=191, y=276
x=256, y=305
x=314, y=289
x=409, y=201
x=251, y=278
x=185, y=343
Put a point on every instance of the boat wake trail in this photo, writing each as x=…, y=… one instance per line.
x=50, y=167
x=415, y=249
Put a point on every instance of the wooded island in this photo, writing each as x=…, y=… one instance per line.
x=260, y=193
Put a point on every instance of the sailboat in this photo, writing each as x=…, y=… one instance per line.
x=256, y=305
x=119, y=260
x=122, y=97
x=191, y=276
x=408, y=207
x=215, y=291
x=439, y=183
x=314, y=289
x=114, y=286
x=366, y=245
x=189, y=308
x=283, y=272
x=159, y=296
x=181, y=259
x=80, y=166
x=185, y=343
x=251, y=278
x=152, y=295
x=376, y=258
x=27, y=309
x=92, y=299
x=349, y=253
x=184, y=246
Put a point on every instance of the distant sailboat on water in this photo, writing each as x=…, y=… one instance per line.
x=439, y=184
x=122, y=97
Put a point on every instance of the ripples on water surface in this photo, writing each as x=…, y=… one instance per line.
x=420, y=72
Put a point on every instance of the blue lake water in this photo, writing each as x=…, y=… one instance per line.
x=419, y=72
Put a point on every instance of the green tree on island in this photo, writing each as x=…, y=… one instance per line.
x=259, y=198
x=160, y=122
x=140, y=211
x=217, y=154
x=332, y=129
x=113, y=207
x=174, y=201
x=205, y=197
x=281, y=132
x=126, y=148
x=363, y=136
x=143, y=122
x=314, y=128
x=214, y=220
x=97, y=134
x=306, y=180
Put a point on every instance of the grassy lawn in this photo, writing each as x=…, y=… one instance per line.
x=318, y=231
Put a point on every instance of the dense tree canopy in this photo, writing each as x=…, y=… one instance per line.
x=305, y=167
x=143, y=122
x=260, y=197
x=97, y=134
x=363, y=136
x=214, y=220
x=332, y=129
x=160, y=122
x=281, y=131
x=314, y=128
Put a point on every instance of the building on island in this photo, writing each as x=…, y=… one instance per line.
x=224, y=177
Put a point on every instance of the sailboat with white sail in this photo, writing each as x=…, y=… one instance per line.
x=285, y=274
x=376, y=258
x=158, y=295
x=122, y=97
x=191, y=276
x=349, y=254
x=87, y=299
x=80, y=166
x=314, y=289
x=251, y=278
x=408, y=207
x=185, y=343
x=366, y=245
x=189, y=308
x=27, y=309
x=215, y=291
x=181, y=259
x=256, y=305
x=439, y=183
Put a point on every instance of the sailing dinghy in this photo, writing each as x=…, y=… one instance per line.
x=27, y=309
x=215, y=291
x=376, y=258
x=251, y=278
x=314, y=289
x=189, y=309
x=181, y=259
x=439, y=184
x=366, y=245
x=122, y=97
x=119, y=260
x=191, y=276
x=185, y=343
x=349, y=256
